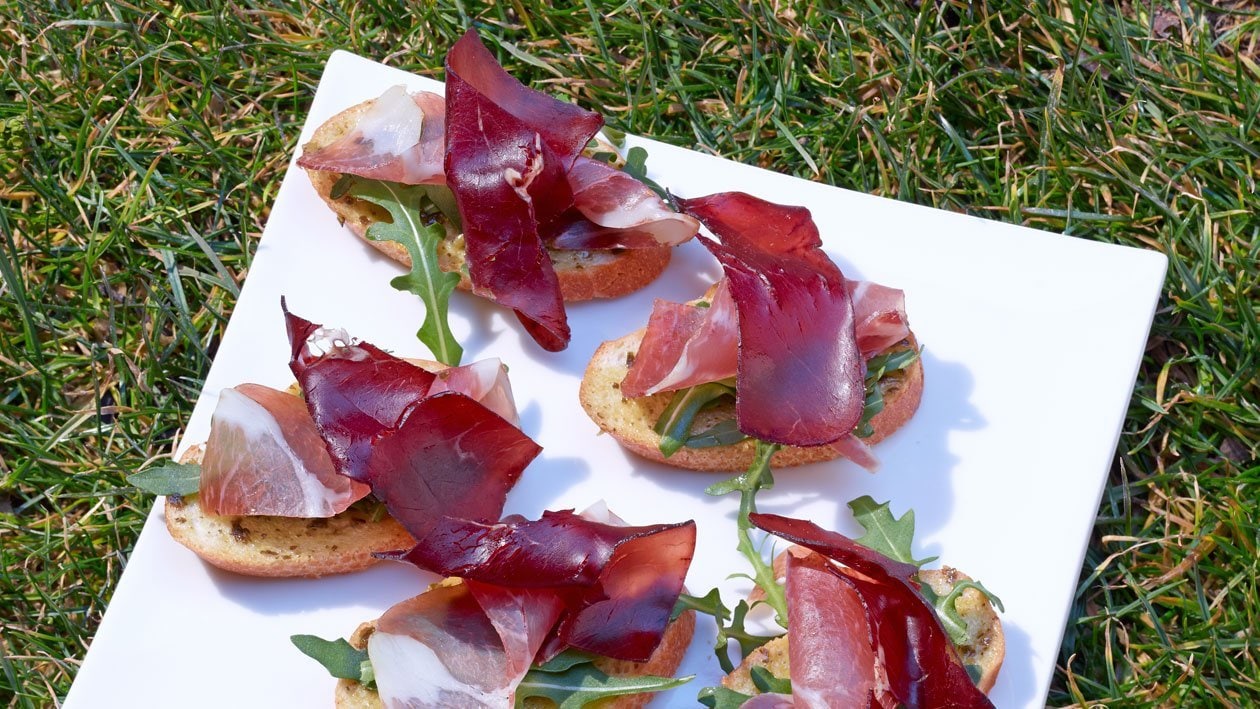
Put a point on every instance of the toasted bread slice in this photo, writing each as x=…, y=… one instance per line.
x=583, y=275
x=283, y=546
x=630, y=421
x=985, y=646
x=664, y=662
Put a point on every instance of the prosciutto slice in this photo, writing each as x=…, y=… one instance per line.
x=459, y=646
x=800, y=378
x=264, y=457
x=830, y=649
x=485, y=381
x=686, y=345
x=400, y=138
x=619, y=583
x=923, y=667
x=612, y=210
x=507, y=151
x=879, y=314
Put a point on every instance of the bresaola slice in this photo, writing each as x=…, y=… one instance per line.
x=401, y=137
x=922, y=665
x=619, y=583
x=507, y=151
x=800, y=378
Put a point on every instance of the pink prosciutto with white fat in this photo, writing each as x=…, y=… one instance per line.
x=400, y=138
x=618, y=212
x=486, y=381
x=265, y=457
x=467, y=645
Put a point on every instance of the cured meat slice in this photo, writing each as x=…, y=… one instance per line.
x=507, y=151
x=264, y=457
x=612, y=210
x=619, y=583
x=800, y=374
x=458, y=646
x=354, y=390
x=879, y=315
x=830, y=649
x=486, y=381
x=400, y=138
x=686, y=345
x=447, y=455
x=922, y=664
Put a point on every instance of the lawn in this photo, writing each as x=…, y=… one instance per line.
x=141, y=144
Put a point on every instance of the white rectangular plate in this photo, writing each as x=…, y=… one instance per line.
x=1032, y=342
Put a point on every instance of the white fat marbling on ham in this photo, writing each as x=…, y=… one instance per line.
x=612, y=199
x=264, y=457
x=467, y=645
x=401, y=138
x=486, y=381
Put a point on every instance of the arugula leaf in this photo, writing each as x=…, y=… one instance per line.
x=339, y=657
x=757, y=477
x=885, y=533
x=947, y=608
x=722, y=698
x=405, y=205
x=584, y=683
x=730, y=626
x=674, y=424
x=169, y=478
x=636, y=167
x=876, y=368
x=564, y=661
x=722, y=433
x=765, y=681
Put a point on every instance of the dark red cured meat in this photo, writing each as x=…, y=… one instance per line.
x=448, y=454
x=800, y=378
x=922, y=664
x=354, y=392
x=620, y=583
x=507, y=151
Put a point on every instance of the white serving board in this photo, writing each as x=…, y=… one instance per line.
x=1032, y=343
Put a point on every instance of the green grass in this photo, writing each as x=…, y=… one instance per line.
x=141, y=146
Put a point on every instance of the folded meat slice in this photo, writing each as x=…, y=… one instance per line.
x=459, y=646
x=686, y=345
x=507, y=151
x=879, y=315
x=265, y=457
x=401, y=137
x=922, y=666
x=830, y=649
x=620, y=583
x=612, y=210
x=356, y=391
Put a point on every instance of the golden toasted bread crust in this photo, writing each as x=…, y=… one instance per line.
x=664, y=662
x=985, y=646
x=283, y=546
x=630, y=421
x=583, y=275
